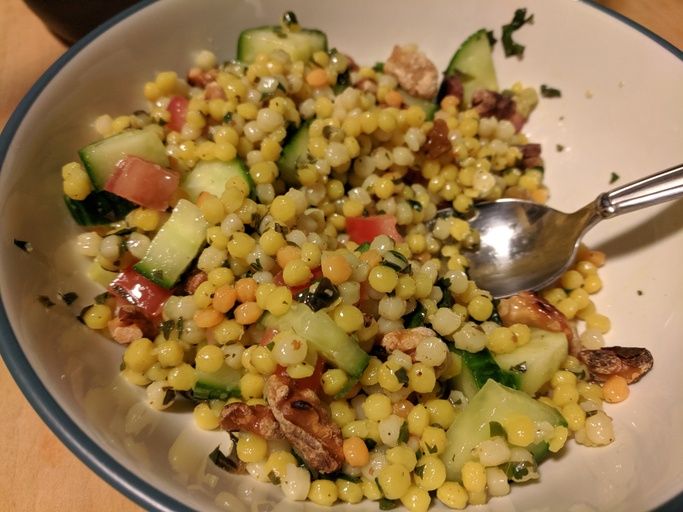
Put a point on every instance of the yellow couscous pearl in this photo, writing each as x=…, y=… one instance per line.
x=377, y=406
x=140, y=355
x=441, y=412
x=283, y=209
x=170, y=353
x=97, y=316
x=296, y=272
x=349, y=492
x=333, y=381
x=453, y=495
x=480, y=308
x=394, y=479
x=182, y=377
x=433, y=440
x=416, y=499
x=204, y=417
x=271, y=241
x=209, y=359
x=473, y=476
x=432, y=474
x=383, y=279
x=348, y=317
x=403, y=455
x=323, y=492
x=418, y=420
x=336, y=268
x=227, y=331
x=240, y=245
x=252, y=385
x=251, y=447
x=520, y=431
x=615, y=389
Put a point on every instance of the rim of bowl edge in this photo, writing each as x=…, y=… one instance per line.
x=67, y=431
x=49, y=411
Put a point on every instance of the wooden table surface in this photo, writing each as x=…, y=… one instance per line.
x=37, y=472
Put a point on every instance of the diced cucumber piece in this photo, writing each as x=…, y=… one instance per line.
x=537, y=361
x=99, y=207
x=428, y=106
x=477, y=369
x=493, y=402
x=323, y=335
x=175, y=245
x=220, y=385
x=474, y=63
x=212, y=175
x=100, y=158
x=300, y=44
x=294, y=155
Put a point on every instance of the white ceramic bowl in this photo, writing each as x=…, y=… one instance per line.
x=621, y=111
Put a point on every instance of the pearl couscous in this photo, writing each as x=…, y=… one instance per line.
x=268, y=231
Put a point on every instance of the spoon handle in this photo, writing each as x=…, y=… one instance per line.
x=657, y=188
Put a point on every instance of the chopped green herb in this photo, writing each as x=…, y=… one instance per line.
x=415, y=205
x=613, y=177
x=289, y=18
x=517, y=470
x=102, y=297
x=348, y=478
x=416, y=318
x=157, y=274
x=591, y=413
x=270, y=345
x=419, y=470
x=228, y=463
x=496, y=429
x=491, y=37
x=550, y=92
x=519, y=368
x=370, y=443
x=23, y=245
x=227, y=118
x=256, y=266
x=169, y=396
x=447, y=300
x=68, y=298
x=518, y=21
x=396, y=260
x=364, y=247
x=402, y=375
x=274, y=479
x=283, y=230
x=379, y=67
x=167, y=327
x=387, y=504
x=432, y=449
x=403, y=433
x=45, y=301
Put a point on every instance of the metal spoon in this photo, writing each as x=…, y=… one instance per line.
x=527, y=246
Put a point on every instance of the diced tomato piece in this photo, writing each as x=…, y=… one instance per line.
x=366, y=229
x=313, y=382
x=267, y=337
x=138, y=290
x=177, y=107
x=317, y=273
x=144, y=183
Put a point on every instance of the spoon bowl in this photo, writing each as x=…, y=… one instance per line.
x=527, y=246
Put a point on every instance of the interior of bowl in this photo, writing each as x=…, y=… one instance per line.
x=620, y=111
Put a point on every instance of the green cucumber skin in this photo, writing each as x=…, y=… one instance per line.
x=100, y=158
x=248, y=47
x=294, y=148
x=175, y=245
x=493, y=402
x=543, y=355
x=474, y=62
x=220, y=385
x=322, y=334
x=216, y=173
x=98, y=208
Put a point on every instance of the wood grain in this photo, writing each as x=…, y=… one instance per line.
x=37, y=472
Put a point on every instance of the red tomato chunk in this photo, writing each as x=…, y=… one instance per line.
x=143, y=183
x=366, y=229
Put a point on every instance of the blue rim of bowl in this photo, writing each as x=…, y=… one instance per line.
x=35, y=391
